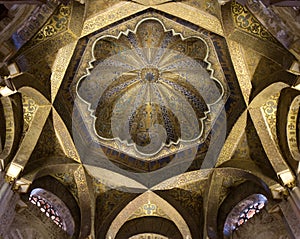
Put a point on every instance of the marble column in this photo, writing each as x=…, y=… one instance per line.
x=8, y=201
x=291, y=212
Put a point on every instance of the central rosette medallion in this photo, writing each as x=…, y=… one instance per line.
x=150, y=74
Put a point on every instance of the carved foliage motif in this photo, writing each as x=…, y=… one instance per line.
x=191, y=201
x=246, y=21
x=269, y=109
x=35, y=21
x=29, y=108
x=149, y=209
x=56, y=24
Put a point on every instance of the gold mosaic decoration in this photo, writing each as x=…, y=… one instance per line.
x=67, y=179
x=29, y=109
x=148, y=204
x=242, y=150
x=269, y=110
x=210, y=6
x=292, y=128
x=244, y=19
x=148, y=209
x=146, y=78
x=55, y=25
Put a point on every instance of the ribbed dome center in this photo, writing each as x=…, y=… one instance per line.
x=150, y=74
x=151, y=98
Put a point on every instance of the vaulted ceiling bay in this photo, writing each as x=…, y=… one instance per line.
x=149, y=119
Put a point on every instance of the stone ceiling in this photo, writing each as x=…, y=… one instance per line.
x=164, y=103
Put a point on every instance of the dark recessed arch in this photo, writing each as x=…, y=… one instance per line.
x=54, y=186
x=54, y=208
x=158, y=225
x=238, y=194
x=244, y=211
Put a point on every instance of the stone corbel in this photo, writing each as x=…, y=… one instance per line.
x=295, y=68
x=22, y=185
x=18, y=185
x=297, y=84
x=287, y=178
x=13, y=172
x=7, y=87
x=278, y=191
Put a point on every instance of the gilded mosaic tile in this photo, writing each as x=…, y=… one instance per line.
x=245, y=20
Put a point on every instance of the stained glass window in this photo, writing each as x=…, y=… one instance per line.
x=54, y=208
x=249, y=213
x=243, y=212
x=47, y=208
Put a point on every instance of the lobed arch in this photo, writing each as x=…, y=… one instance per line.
x=75, y=183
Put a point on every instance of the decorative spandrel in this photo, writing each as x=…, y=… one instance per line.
x=150, y=89
x=245, y=20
